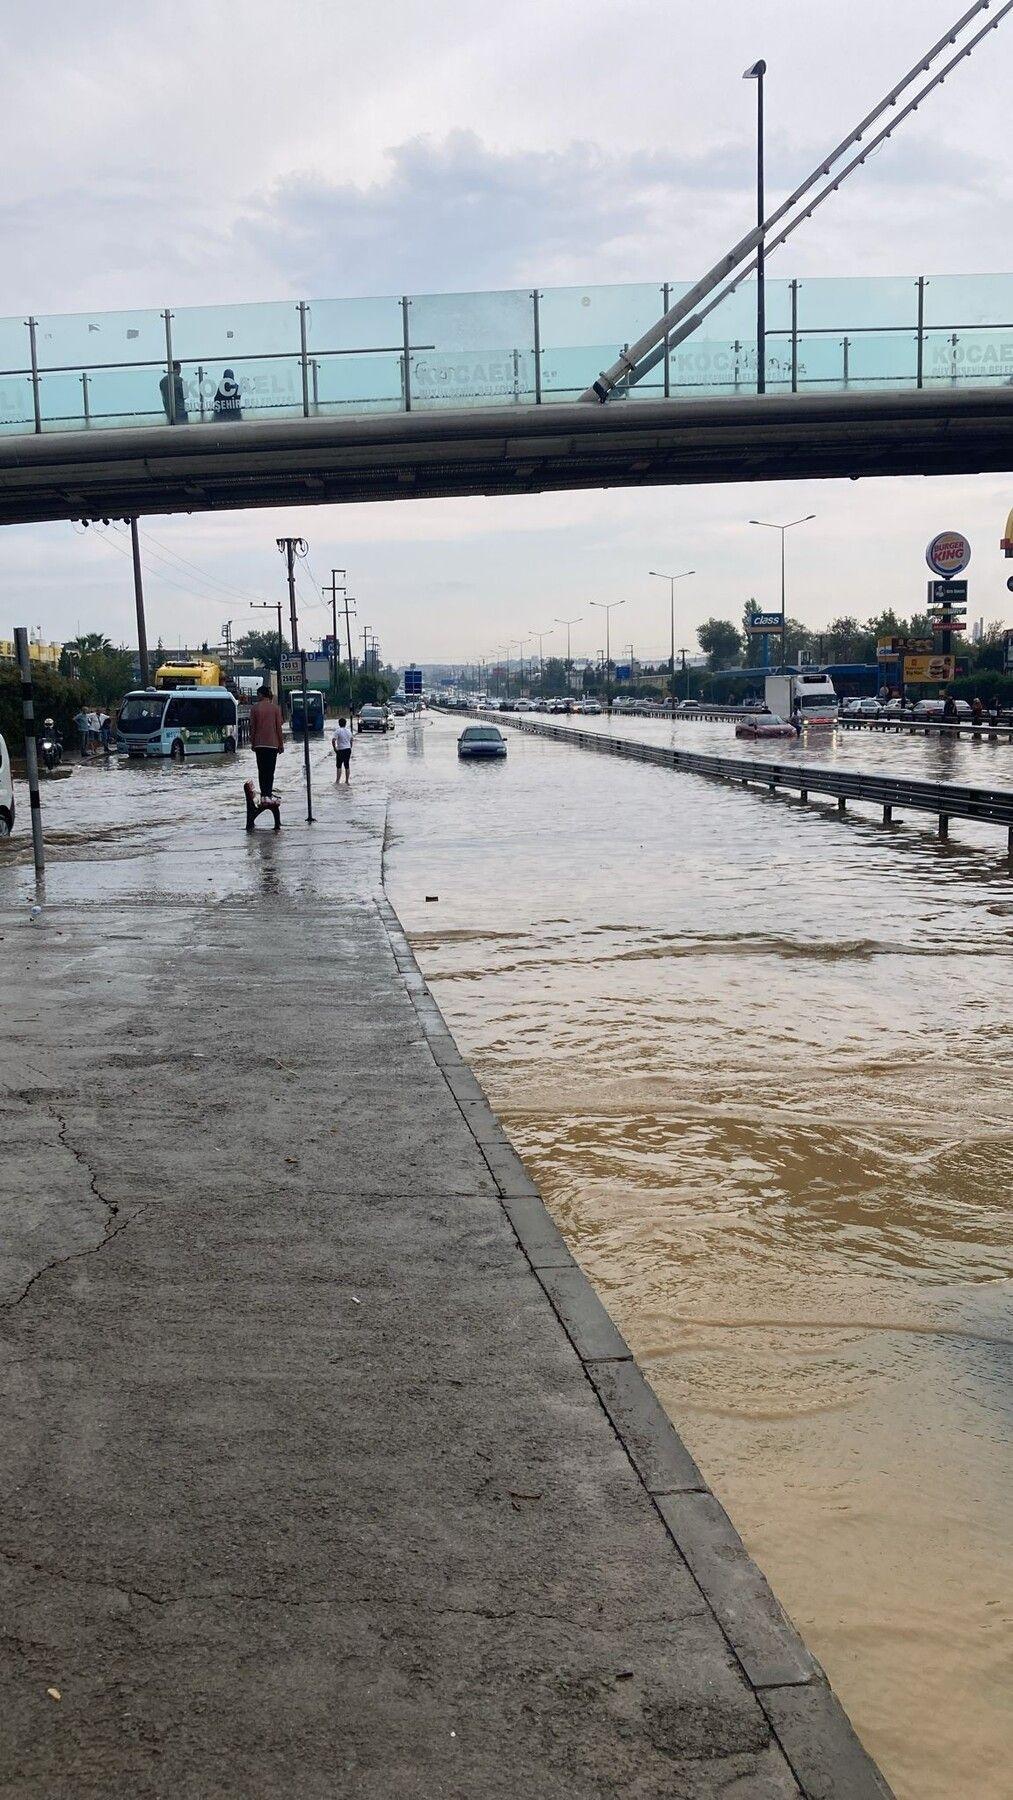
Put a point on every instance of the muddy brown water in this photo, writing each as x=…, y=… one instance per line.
x=758, y=1057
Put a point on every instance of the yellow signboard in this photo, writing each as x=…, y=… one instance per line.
x=929, y=668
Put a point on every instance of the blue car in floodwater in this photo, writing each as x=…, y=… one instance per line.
x=478, y=741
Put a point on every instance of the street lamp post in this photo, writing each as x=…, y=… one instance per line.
x=520, y=642
x=756, y=73
x=569, y=658
x=607, y=606
x=783, y=529
x=541, y=636
x=671, y=579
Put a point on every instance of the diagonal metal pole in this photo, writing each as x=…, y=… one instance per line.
x=682, y=313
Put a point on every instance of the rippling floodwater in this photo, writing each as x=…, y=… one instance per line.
x=758, y=1057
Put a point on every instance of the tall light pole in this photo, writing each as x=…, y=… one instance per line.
x=671, y=579
x=783, y=529
x=541, y=636
x=520, y=642
x=756, y=73
x=569, y=658
x=607, y=607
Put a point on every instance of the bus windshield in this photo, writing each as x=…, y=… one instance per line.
x=212, y=712
x=142, y=712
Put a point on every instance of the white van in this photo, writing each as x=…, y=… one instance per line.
x=6, y=793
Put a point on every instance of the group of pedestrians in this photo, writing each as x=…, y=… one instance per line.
x=268, y=743
x=94, y=731
x=227, y=405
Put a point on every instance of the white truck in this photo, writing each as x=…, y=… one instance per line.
x=812, y=694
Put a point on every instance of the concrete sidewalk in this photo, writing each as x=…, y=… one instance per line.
x=322, y=1470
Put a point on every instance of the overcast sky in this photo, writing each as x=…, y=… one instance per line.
x=187, y=154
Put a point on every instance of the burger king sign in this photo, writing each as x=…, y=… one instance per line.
x=948, y=554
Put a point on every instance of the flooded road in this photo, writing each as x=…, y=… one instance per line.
x=758, y=1057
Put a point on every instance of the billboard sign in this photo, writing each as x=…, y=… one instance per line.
x=903, y=646
x=949, y=624
x=929, y=668
x=766, y=622
x=948, y=593
x=948, y=554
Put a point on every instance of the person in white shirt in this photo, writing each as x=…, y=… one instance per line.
x=342, y=741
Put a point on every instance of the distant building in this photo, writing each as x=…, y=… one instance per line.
x=46, y=654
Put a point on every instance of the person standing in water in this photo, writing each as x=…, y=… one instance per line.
x=342, y=741
x=266, y=740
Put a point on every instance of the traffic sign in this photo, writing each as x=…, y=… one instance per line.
x=948, y=554
x=413, y=681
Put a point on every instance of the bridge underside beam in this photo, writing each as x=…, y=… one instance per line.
x=210, y=468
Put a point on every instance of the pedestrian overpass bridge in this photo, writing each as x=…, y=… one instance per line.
x=422, y=395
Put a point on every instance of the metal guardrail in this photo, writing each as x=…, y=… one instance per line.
x=960, y=728
x=891, y=792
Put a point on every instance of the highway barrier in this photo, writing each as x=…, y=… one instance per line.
x=892, y=792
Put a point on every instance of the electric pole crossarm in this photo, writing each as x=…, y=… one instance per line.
x=623, y=369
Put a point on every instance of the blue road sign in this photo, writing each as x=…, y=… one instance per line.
x=413, y=681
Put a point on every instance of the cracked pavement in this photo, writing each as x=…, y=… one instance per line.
x=305, y=1490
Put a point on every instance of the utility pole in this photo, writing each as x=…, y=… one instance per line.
x=685, y=673
x=142, y=630
x=275, y=607
x=333, y=590
x=349, y=610
x=227, y=642
x=291, y=548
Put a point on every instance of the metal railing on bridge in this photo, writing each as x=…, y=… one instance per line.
x=523, y=347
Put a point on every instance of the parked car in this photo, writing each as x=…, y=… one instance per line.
x=863, y=708
x=590, y=706
x=6, y=793
x=764, y=725
x=374, y=718
x=481, y=741
x=689, y=706
x=933, y=709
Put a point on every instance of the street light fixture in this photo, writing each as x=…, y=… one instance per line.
x=541, y=636
x=607, y=607
x=756, y=73
x=569, y=658
x=671, y=579
x=769, y=526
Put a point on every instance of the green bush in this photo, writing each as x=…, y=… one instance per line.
x=55, y=697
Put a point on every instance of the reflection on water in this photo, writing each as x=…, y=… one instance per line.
x=758, y=1057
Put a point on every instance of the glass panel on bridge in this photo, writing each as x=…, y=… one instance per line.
x=108, y=369
x=472, y=349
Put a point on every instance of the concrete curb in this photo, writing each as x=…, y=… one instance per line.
x=810, y=1725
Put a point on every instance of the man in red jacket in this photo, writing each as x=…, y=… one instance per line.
x=266, y=740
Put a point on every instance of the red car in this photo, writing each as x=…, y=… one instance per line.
x=764, y=725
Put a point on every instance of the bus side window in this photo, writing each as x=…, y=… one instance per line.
x=173, y=713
